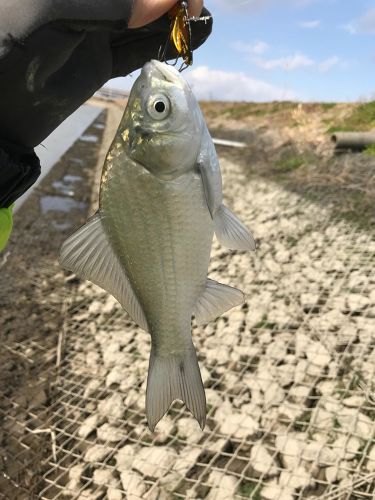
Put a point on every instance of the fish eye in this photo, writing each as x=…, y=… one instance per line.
x=158, y=107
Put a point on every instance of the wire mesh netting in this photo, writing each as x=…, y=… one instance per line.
x=288, y=376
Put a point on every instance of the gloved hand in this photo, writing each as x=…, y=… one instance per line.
x=53, y=56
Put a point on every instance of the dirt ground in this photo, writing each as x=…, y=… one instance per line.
x=286, y=143
x=31, y=305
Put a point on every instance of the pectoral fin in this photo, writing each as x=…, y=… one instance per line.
x=215, y=300
x=88, y=253
x=209, y=168
x=231, y=232
x=228, y=228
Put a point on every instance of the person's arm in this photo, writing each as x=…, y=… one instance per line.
x=55, y=55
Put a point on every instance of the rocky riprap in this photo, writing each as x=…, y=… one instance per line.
x=288, y=375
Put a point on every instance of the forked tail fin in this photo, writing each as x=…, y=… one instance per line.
x=174, y=377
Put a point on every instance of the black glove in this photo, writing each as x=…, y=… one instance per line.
x=54, y=55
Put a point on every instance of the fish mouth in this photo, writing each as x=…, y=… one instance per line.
x=161, y=70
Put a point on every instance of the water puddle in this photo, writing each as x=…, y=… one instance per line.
x=60, y=204
x=89, y=138
x=78, y=161
x=67, y=185
x=61, y=226
x=63, y=188
x=72, y=178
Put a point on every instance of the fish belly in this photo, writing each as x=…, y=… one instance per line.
x=162, y=232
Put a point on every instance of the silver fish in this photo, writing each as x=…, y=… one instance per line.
x=149, y=243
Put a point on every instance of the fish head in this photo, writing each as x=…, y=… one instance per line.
x=163, y=123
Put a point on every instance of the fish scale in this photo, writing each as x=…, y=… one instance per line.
x=173, y=268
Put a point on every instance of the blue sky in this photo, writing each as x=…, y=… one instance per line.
x=308, y=50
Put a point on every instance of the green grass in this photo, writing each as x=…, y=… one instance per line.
x=289, y=162
x=291, y=240
x=302, y=424
x=360, y=211
x=264, y=323
x=370, y=150
x=361, y=118
x=326, y=106
x=336, y=424
x=351, y=205
x=250, y=489
x=241, y=110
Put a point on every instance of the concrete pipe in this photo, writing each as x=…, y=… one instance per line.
x=353, y=140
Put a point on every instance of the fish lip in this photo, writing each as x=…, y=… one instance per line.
x=161, y=70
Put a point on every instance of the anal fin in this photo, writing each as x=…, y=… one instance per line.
x=215, y=300
x=88, y=253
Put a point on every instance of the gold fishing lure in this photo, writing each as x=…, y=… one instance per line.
x=180, y=34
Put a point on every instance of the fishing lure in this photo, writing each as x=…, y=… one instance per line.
x=180, y=35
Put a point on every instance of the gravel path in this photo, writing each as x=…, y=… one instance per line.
x=288, y=376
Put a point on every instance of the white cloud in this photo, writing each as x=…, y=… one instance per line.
x=350, y=28
x=310, y=24
x=254, y=54
x=328, y=64
x=231, y=86
x=254, y=51
x=366, y=23
x=301, y=61
x=287, y=63
x=255, y=48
